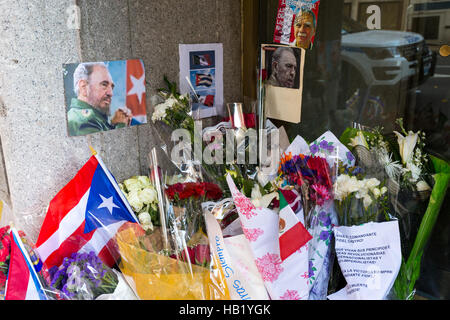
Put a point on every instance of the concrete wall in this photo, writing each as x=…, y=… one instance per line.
x=37, y=38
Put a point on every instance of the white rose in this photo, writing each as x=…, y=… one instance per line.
x=144, y=181
x=147, y=195
x=146, y=221
x=383, y=190
x=376, y=192
x=132, y=184
x=134, y=201
x=372, y=183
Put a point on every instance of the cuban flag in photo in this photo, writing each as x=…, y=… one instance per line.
x=205, y=80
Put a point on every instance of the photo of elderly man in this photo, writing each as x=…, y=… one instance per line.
x=304, y=28
x=90, y=110
x=283, y=72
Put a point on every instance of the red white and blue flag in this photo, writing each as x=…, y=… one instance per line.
x=23, y=282
x=203, y=80
x=84, y=216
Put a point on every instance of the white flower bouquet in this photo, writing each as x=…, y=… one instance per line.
x=143, y=199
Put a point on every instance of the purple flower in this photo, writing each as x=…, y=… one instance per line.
x=311, y=269
x=350, y=156
x=314, y=148
x=324, y=144
x=324, y=218
x=324, y=235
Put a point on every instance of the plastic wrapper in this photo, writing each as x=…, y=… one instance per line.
x=173, y=262
x=296, y=22
x=367, y=238
x=228, y=242
x=409, y=188
x=308, y=172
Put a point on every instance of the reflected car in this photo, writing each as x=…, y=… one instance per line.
x=385, y=57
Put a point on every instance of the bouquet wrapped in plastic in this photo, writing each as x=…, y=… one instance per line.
x=307, y=174
x=173, y=262
x=417, y=184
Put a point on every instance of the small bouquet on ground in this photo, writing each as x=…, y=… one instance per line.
x=367, y=239
x=401, y=160
x=142, y=197
x=411, y=175
x=307, y=174
x=186, y=199
x=84, y=276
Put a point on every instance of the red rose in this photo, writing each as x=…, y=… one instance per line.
x=199, y=189
x=4, y=253
x=2, y=279
x=3, y=231
x=213, y=191
x=182, y=257
x=188, y=191
x=202, y=254
x=6, y=242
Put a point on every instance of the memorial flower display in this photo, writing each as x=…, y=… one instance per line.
x=197, y=230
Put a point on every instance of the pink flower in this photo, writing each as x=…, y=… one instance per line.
x=252, y=234
x=245, y=206
x=322, y=193
x=269, y=266
x=290, y=295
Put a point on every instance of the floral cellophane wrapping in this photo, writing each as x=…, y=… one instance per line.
x=158, y=277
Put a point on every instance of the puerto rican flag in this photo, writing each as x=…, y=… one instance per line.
x=23, y=282
x=292, y=233
x=203, y=80
x=136, y=96
x=85, y=216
